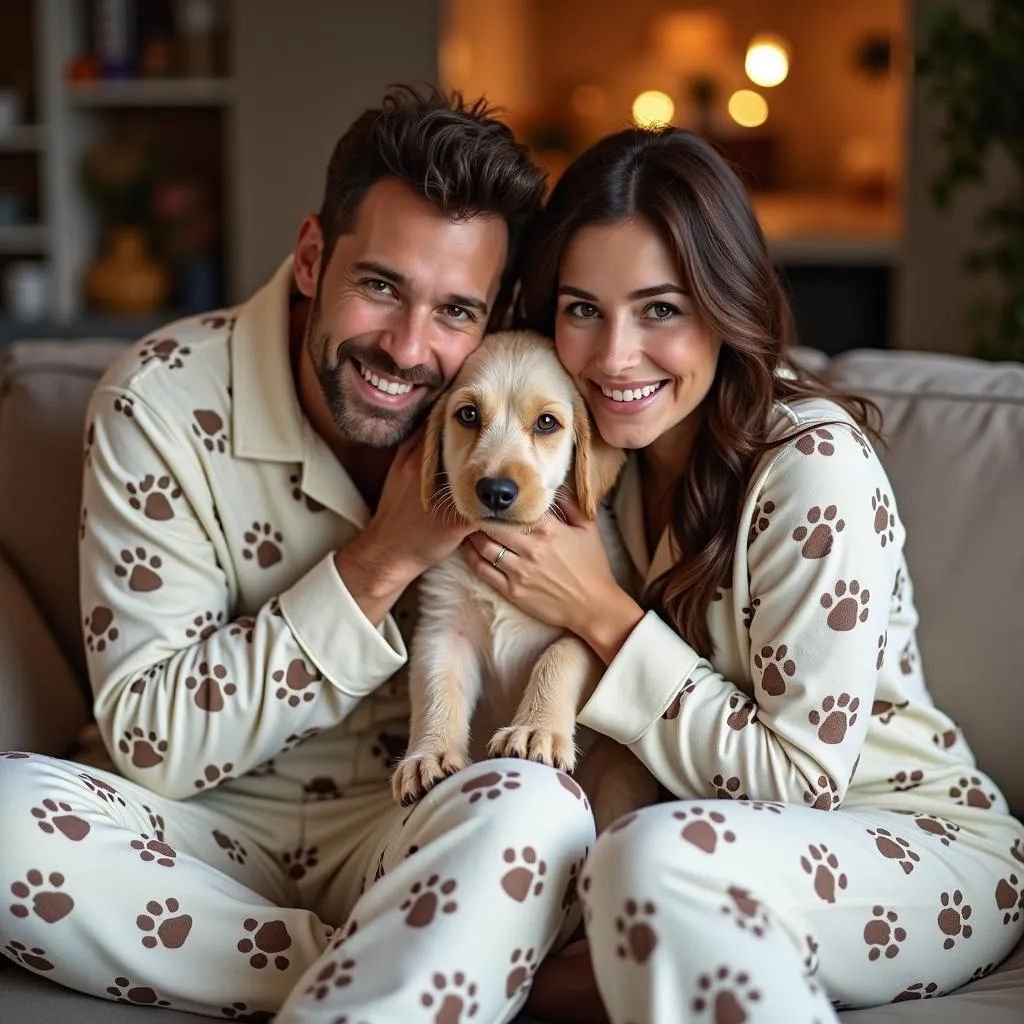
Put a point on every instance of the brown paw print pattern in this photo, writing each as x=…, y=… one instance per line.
x=124, y=991
x=100, y=629
x=523, y=967
x=163, y=925
x=139, y=685
x=824, y=795
x=774, y=667
x=265, y=944
x=885, y=710
x=153, y=496
x=320, y=787
x=746, y=911
x=847, y=605
x=240, y=1011
x=145, y=749
x=823, y=868
x=983, y=971
x=636, y=938
x=819, y=533
x=154, y=851
x=895, y=848
x=218, y=322
x=336, y=974
x=213, y=775
x=672, y=711
x=106, y=792
x=90, y=440
x=817, y=441
x=140, y=569
x=156, y=823
x=749, y=611
x=883, y=934
x=298, y=494
x=232, y=847
x=263, y=545
x=204, y=625
x=946, y=739
x=164, y=350
x=57, y=816
x=491, y=785
x=571, y=895
x=943, y=830
x=918, y=990
x=836, y=716
x=42, y=896
x=427, y=899
x=567, y=782
x=905, y=780
x=953, y=917
x=299, y=862
x=34, y=957
x=294, y=683
x=885, y=521
x=772, y=806
x=760, y=521
x=210, y=429
x=1017, y=851
x=725, y=996
x=969, y=792
x=908, y=658
x=209, y=687
x=728, y=788
x=883, y=640
x=83, y=519
x=742, y=710
x=525, y=873
x=1010, y=899
x=125, y=405
x=451, y=999
x=704, y=829
x=243, y=627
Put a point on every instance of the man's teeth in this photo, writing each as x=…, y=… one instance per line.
x=388, y=387
x=631, y=394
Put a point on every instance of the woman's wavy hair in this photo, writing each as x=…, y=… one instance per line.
x=678, y=184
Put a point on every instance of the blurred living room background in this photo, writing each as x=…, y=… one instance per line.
x=156, y=156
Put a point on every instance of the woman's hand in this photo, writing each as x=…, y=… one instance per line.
x=559, y=573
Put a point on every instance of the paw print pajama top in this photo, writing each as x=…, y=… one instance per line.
x=242, y=856
x=833, y=843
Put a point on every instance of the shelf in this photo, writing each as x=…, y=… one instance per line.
x=24, y=139
x=151, y=92
x=24, y=238
x=87, y=327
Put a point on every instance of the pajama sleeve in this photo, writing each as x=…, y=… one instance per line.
x=186, y=697
x=821, y=556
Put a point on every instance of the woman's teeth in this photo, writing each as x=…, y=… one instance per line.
x=631, y=394
x=388, y=387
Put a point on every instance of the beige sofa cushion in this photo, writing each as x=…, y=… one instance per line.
x=44, y=389
x=956, y=458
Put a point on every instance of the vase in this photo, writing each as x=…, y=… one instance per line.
x=127, y=279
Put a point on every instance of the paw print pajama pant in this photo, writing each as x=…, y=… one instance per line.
x=730, y=910
x=240, y=907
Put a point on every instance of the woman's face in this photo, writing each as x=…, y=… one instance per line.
x=626, y=330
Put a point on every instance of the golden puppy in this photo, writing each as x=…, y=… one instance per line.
x=510, y=433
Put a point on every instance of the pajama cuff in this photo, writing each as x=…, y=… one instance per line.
x=652, y=666
x=331, y=628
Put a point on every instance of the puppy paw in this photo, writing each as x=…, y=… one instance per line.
x=415, y=774
x=543, y=745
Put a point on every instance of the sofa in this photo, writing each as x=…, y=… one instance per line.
x=955, y=453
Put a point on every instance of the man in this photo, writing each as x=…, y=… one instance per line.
x=251, y=528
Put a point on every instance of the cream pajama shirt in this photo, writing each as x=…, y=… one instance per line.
x=246, y=856
x=833, y=843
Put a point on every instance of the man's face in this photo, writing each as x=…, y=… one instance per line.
x=403, y=299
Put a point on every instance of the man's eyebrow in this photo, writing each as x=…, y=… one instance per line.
x=387, y=274
x=640, y=293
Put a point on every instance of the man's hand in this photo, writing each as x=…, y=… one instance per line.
x=401, y=541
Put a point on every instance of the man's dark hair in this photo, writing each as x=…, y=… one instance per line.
x=453, y=153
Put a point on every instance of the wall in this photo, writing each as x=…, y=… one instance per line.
x=305, y=69
x=934, y=291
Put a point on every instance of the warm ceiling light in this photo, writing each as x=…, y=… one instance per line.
x=748, y=108
x=767, y=61
x=652, y=108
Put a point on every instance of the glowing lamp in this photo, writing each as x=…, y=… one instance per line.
x=748, y=108
x=653, y=108
x=767, y=62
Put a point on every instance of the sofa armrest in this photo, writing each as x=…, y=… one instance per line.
x=41, y=705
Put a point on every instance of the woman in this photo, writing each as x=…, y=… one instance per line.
x=768, y=674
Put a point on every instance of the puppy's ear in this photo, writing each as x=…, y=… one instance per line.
x=597, y=464
x=431, y=465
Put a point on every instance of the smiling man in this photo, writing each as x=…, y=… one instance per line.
x=251, y=526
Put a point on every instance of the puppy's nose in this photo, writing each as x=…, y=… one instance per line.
x=497, y=492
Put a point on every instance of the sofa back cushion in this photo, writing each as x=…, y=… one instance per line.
x=45, y=387
x=955, y=432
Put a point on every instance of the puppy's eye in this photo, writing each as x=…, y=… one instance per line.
x=547, y=424
x=468, y=416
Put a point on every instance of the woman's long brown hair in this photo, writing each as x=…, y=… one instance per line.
x=678, y=184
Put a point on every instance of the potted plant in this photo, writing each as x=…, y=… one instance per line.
x=975, y=73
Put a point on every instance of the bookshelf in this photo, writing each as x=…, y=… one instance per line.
x=65, y=115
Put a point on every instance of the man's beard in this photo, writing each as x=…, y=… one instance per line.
x=358, y=420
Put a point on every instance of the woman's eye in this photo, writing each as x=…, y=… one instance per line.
x=467, y=416
x=546, y=423
x=583, y=310
x=661, y=311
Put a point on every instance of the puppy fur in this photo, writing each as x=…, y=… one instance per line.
x=480, y=668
